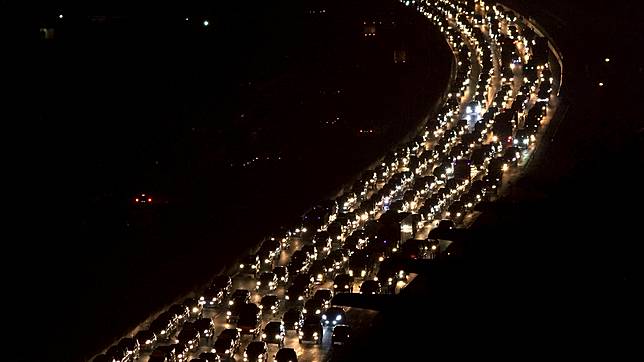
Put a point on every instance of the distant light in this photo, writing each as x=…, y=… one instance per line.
x=60, y=16
x=187, y=19
x=206, y=23
x=601, y=84
x=607, y=60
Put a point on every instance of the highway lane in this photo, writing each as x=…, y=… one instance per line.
x=360, y=319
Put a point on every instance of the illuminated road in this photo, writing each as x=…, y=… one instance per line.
x=477, y=80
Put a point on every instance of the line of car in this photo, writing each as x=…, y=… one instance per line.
x=358, y=236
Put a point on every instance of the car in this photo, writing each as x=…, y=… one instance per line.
x=341, y=334
x=343, y=283
x=163, y=326
x=339, y=258
x=370, y=287
x=147, y=339
x=164, y=354
x=512, y=155
x=389, y=273
x=360, y=264
x=256, y=351
x=232, y=314
x=318, y=271
x=270, y=304
x=239, y=296
x=143, y=199
x=274, y=332
x=324, y=240
x=225, y=347
x=285, y=355
x=310, y=250
x=282, y=274
x=223, y=282
x=195, y=306
x=206, y=327
x=269, y=250
x=299, y=262
x=209, y=357
x=182, y=351
x=266, y=281
x=333, y=316
x=456, y=211
x=415, y=248
x=211, y=297
x=296, y=293
x=250, y=318
x=325, y=295
x=181, y=312
x=446, y=224
x=131, y=347
x=232, y=334
x=189, y=336
x=311, y=330
x=293, y=319
x=523, y=137
x=250, y=264
x=329, y=265
x=313, y=305
x=304, y=279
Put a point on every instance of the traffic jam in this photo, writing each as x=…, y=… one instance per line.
x=277, y=302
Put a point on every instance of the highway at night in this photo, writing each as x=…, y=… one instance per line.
x=501, y=100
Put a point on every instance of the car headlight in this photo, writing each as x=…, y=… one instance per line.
x=229, y=313
x=300, y=298
x=241, y=266
x=259, y=283
x=227, y=351
x=338, y=318
x=287, y=297
x=230, y=302
x=324, y=316
x=263, y=335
